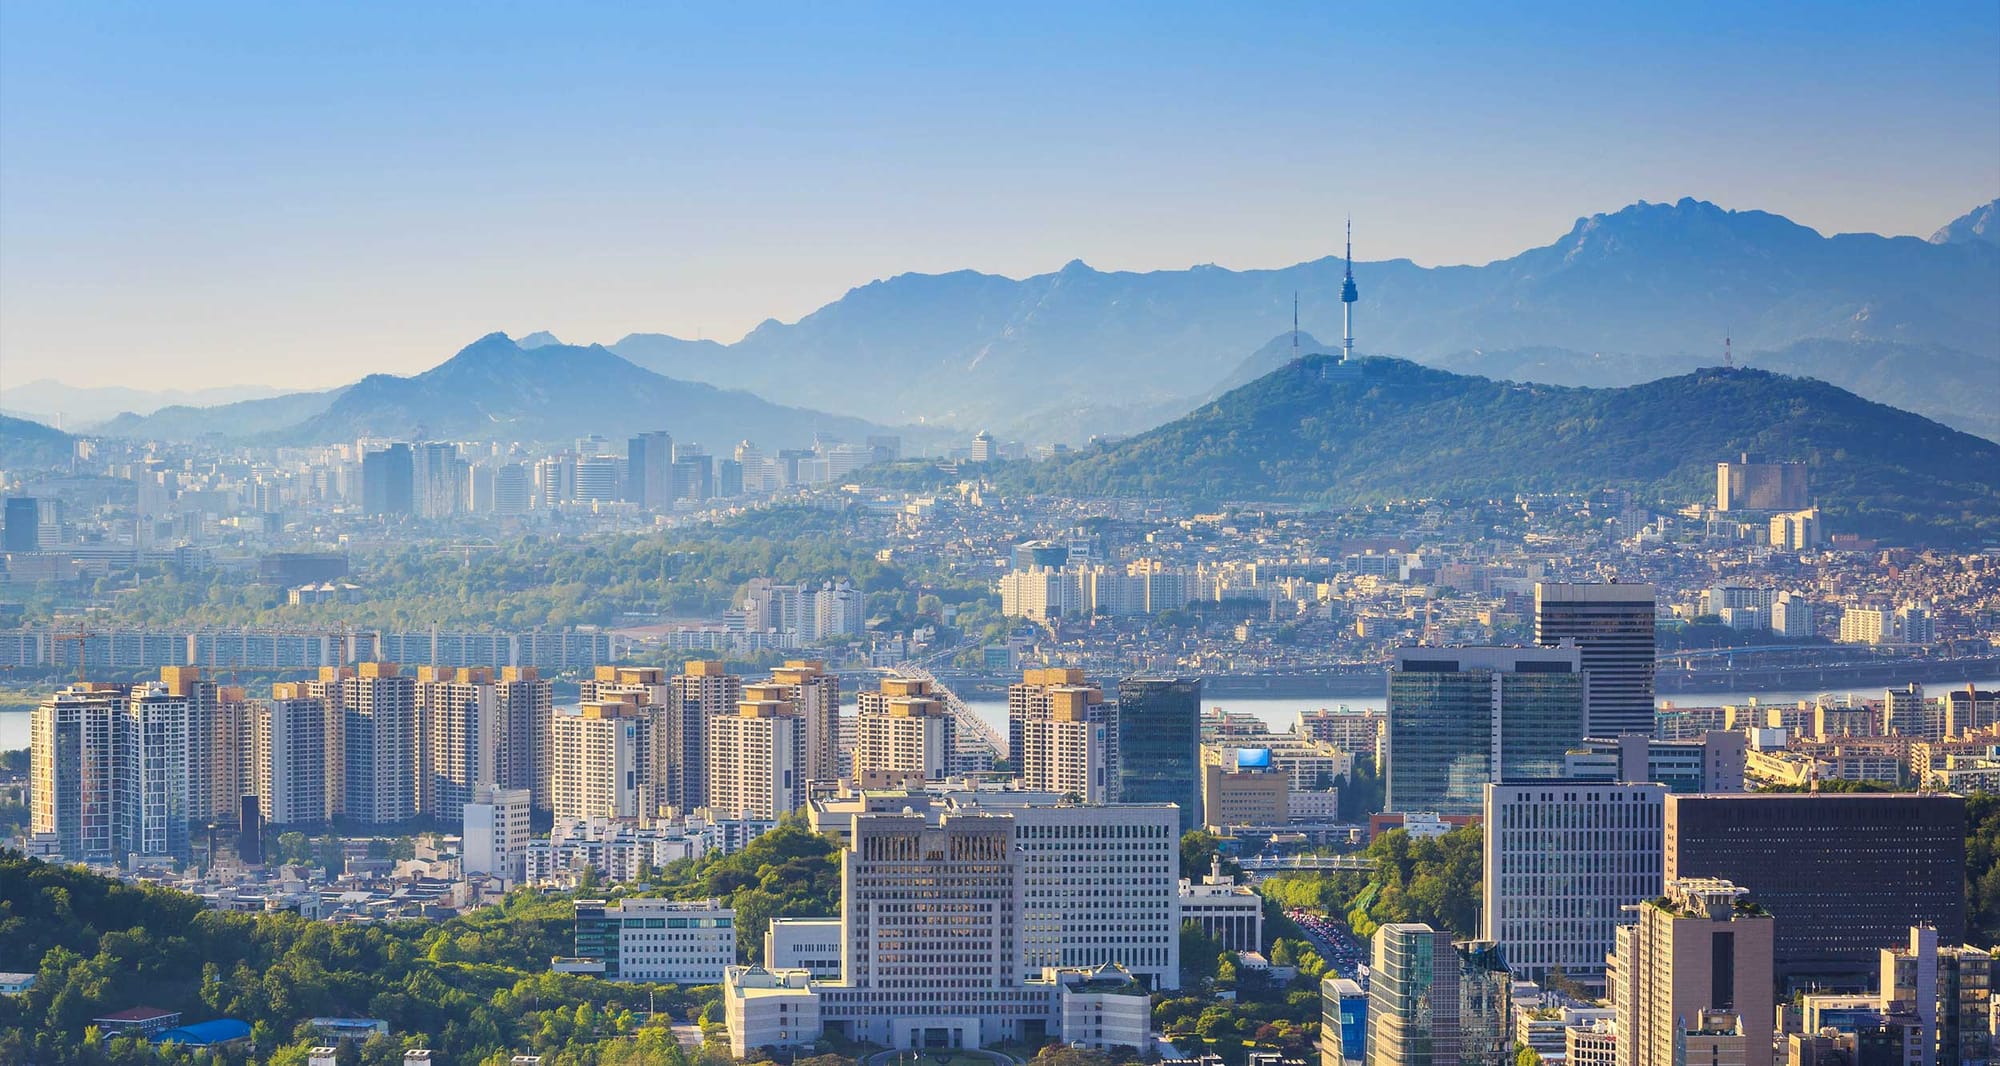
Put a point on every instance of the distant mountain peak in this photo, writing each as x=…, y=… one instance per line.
x=1978, y=224
x=1683, y=220
x=541, y=338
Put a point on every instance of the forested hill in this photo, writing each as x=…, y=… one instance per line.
x=1388, y=429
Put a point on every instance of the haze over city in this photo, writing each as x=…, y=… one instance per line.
x=1017, y=535
x=297, y=196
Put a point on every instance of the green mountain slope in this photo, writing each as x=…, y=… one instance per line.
x=26, y=445
x=1388, y=429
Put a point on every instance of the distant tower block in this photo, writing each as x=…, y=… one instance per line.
x=1348, y=295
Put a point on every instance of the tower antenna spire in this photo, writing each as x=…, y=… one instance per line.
x=1348, y=295
x=1295, y=325
x=1728, y=354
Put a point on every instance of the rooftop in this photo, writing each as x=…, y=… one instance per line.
x=200, y=1034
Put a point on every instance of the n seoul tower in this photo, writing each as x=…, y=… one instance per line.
x=1347, y=298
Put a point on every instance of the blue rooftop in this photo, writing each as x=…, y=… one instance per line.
x=203, y=1034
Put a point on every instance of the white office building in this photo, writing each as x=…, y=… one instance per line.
x=1562, y=860
x=684, y=942
x=1231, y=913
x=496, y=833
x=810, y=944
x=1097, y=884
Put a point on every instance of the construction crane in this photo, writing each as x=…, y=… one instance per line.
x=81, y=638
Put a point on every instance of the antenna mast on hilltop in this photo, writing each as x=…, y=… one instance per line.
x=1295, y=326
x=1728, y=355
x=1347, y=297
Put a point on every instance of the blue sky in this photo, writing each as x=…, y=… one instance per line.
x=297, y=194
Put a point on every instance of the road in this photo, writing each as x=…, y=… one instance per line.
x=1343, y=951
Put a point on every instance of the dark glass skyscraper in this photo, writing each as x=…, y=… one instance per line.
x=1159, y=743
x=23, y=524
x=1846, y=874
x=388, y=481
x=1461, y=717
x=649, y=470
x=1613, y=628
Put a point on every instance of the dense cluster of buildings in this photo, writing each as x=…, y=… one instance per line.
x=970, y=915
x=1624, y=855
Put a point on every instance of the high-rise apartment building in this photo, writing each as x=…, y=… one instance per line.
x=458, y=737
x=815, y=692
x=378, y=705
x=1847, y=872
x=1063, y=734
x=108, y=767
x=288, y=755
x=1358, y=732
x=1563, y=861
x=1700, y=953
x=903, y=731
x=329, y=688
x=704, y=690
x=757, y=756
x=1612, y=626
x=595, y=760
x=1907, y=713
x=72, y=771
x=150, y=766
x=521, y=759
x=1435, y=1003
x=645, y=688
x=1793, y=617
x=216, y=732
x=1159, y=744
x=1461, y=717
x=1968, y=709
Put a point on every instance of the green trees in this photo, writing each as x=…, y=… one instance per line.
x=1435, y=881
x=788, y=872
x=470, y=988
x=1982, y=866
x=1411, y=431
x=1363, y=792
x=1198, y=848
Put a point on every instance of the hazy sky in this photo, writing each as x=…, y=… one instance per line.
x=297, y=194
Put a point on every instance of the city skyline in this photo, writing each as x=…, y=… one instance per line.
x=367, y=194
x=1050, y=653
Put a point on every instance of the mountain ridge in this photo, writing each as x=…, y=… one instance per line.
x=556, y=392
x=1316, y=433
x=1650, y=283
x=27, y=444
